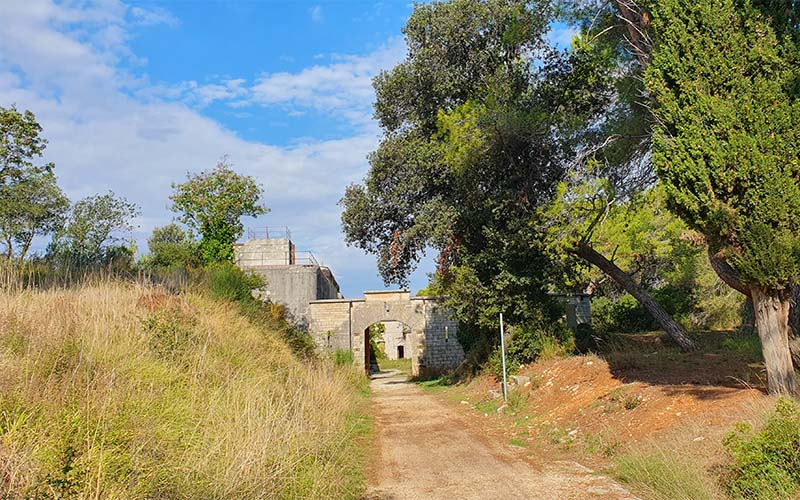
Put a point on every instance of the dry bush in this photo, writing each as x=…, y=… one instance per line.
x=109, y=391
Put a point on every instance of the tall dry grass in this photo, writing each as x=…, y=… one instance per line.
x=111, y=391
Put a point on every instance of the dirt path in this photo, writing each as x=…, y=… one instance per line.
x=428, y=452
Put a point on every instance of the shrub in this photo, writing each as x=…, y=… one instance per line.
x=765, y=465
x=623, y=315
x=227, y=282
x=531, y=342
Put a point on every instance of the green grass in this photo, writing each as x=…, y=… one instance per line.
x=665, y=475
x=403, y=365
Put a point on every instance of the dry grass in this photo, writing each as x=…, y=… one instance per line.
x=110, y=391
x=688, y=462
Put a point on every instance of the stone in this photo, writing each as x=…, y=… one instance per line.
x=495, y=394
x=520, y=379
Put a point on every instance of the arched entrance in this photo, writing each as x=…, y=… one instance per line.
x=385, y=344
x=430, y=332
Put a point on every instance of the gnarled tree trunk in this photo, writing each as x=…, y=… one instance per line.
x=620, y=277
x=730, y=277
x=772, y=323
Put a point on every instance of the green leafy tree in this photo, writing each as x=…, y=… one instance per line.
x=20, y=143
x=213, y=203
x=32, y=205
x=92, y=232
x=723, y=80
x=171, y=246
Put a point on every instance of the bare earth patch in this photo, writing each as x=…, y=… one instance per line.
x=428, y=450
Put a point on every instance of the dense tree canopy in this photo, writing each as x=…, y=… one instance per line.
x=723, y=79
x=213, y=203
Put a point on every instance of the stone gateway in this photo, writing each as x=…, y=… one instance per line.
x=429, y=335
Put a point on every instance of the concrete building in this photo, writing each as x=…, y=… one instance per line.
x=293, y=278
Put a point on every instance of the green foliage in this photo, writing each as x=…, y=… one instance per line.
x=623, y=315
x=32, y=205
x=172, y=248
x=20, y=143
x=90, y=235
x=377, y=344
x=343, y=357
x=228, y=282
x=766, y=465
x=723, y=82
x=527, y=343
x=213, y=203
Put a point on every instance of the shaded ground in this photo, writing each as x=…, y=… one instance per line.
x=427, y=450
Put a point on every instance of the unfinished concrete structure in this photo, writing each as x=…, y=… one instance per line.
x=429, y=331
x=293, y=278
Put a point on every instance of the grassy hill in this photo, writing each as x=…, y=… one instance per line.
x=116, y=391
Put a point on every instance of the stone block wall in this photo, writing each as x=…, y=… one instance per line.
x=329, y=324
x=431, y=335
x=264, y=252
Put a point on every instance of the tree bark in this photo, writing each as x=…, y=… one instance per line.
x=730, y=277
x=620, y=277
x=772, y=323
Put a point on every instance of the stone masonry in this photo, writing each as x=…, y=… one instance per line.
x=431, y=341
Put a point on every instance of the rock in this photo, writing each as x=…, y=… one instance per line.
x=520, y=379
x=495, y=394
x=464, y=402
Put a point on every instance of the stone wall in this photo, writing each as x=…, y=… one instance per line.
x=431, y=339
x=296, y=286
x=264, y=252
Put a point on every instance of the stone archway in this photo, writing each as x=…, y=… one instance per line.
x=432, y=342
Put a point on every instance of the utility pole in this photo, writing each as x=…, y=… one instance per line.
x=503, y=357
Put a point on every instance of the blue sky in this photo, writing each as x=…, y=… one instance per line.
x=132, y=95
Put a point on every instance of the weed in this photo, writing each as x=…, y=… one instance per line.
x=183, y=397
x=516, y=401
x=746, y=345
x=343, y=357
x=664, y=476
x=518, y=442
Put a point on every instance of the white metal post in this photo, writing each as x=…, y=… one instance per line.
x=503, y=357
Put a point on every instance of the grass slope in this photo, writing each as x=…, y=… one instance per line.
x=110, y=391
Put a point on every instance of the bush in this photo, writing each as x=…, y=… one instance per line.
x=765, y=465
x=531, y=342
x=227, y=282
x=623, y=315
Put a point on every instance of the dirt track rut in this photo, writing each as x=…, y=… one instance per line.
x=426, y=451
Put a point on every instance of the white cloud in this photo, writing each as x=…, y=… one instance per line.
x=153, y=16
x=316, y=13
x=63, y=63
x=343, y=86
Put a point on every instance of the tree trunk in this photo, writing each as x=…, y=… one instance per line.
x=794, y=325
x=772, y=323
x=730, y=277
x=620, y=277
x=748, y=325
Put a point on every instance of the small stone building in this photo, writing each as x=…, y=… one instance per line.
x=293, y=279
